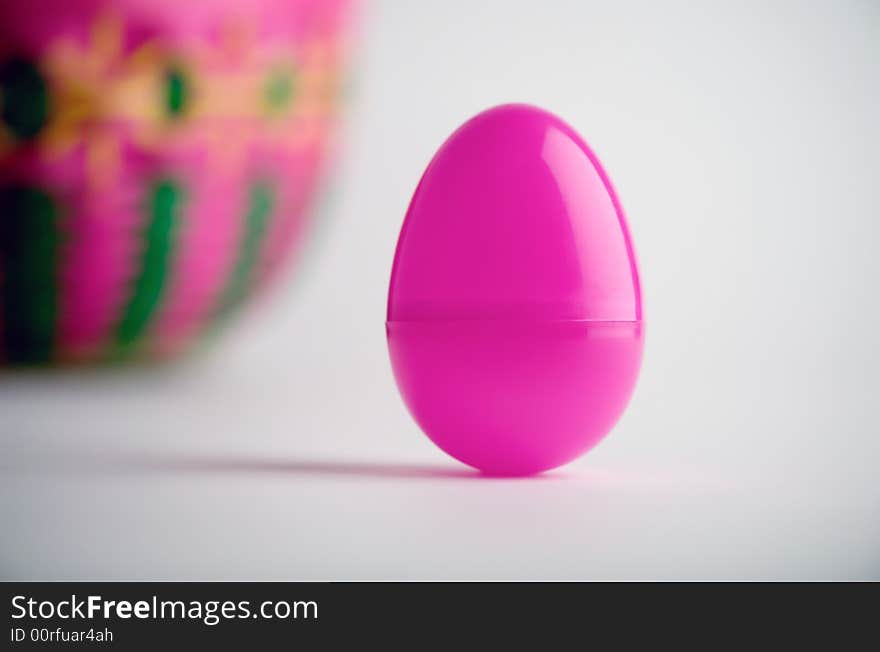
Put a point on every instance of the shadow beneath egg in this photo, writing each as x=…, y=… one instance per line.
x=257, y=466
x=185, y=464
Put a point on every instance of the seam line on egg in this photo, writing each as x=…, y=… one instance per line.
x=516, y=321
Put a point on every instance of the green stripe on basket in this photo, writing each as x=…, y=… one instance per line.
x=29, y=252
x=165, y=201
x=261, y=202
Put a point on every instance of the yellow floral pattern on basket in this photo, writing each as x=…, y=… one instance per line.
x=163, y=97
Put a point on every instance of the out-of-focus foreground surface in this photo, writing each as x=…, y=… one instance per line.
x=743, y=142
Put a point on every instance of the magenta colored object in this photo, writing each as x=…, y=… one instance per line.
x=159, y=161
x=515, y=312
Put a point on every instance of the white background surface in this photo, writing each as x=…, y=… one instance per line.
x=743, y=139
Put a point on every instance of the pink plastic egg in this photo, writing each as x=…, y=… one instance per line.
x=514, y=311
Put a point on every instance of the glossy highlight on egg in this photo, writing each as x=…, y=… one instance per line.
x=514, y=319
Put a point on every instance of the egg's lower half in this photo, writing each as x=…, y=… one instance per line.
x=514, y=398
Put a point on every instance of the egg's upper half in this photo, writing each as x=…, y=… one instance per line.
x=515, y=219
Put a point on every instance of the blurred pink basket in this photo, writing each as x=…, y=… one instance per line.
x=157, y=162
